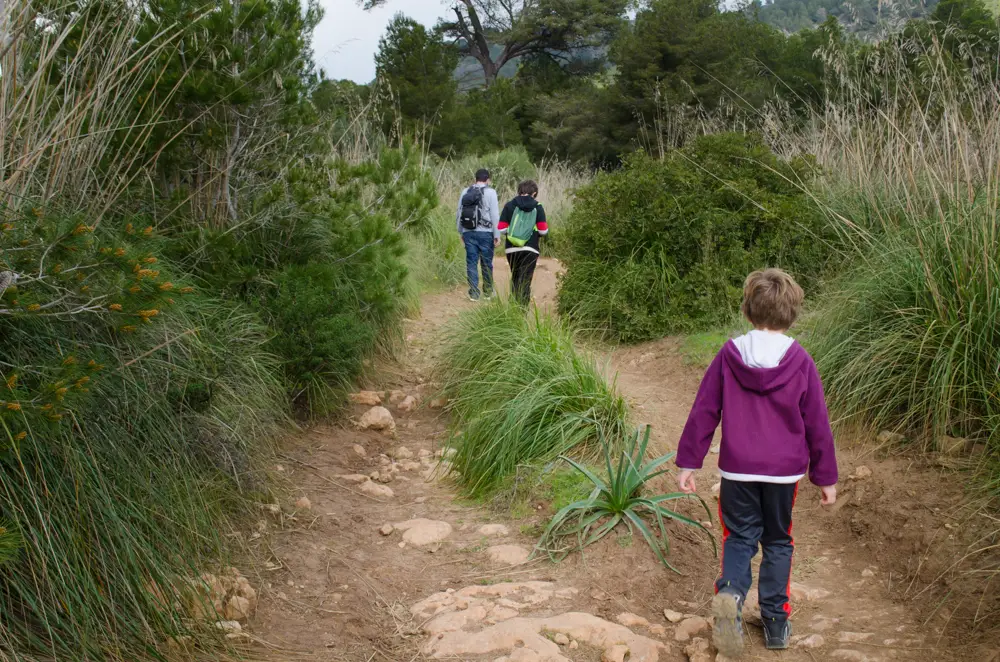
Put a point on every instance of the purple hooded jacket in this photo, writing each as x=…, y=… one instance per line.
x=775, y=424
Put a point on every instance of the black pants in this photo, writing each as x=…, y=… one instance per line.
x=755, y=513
x=522, y=270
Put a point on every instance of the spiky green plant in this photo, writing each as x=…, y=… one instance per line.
x=618, y=499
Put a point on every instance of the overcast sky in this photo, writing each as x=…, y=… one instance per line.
x=346, y=40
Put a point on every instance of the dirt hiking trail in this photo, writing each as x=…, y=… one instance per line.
x=397, y=568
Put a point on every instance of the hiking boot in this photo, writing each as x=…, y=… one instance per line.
x=727, y=631
x=776, y=634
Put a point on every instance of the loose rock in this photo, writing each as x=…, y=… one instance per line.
x=868, y=572
x=698, y=651
x=359, y=450
x=812, y=641
x=673, y=616
x=807, y=593
x=422, y=532
x=491, y=530
x=387, y=529
x=366, y=398
x=887, y=437
x=508, y=554
x=376, y=490
x=690, y=627
x=615, y=654
x=861, y=473
x=438, y=403
x=850, y=655
x=561, y=639
x=395, y=397
x=304, y=504
x=356, y=479
x=408, y=404
x=229, y=626
x=951, y=445
x=402, y=453
x=237, y=608
x=379, y=419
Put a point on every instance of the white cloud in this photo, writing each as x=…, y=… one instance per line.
x=346, y=39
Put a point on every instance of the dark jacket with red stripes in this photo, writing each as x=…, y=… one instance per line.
x=526, y=203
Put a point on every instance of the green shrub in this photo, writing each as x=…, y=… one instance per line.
x=617, y=498
x=908, y=338
x=521, y=394
x=663, y=246
x=508, y=167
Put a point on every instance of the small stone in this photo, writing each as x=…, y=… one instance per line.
x=304, y=504
x=715, y=449
x=617, y=653
x=573, y=645
x=395, y=397
x=237, y=609
x=420, y=499
x=356, y=479
x=887, y=437
x=229, y=626
x=402, y=453
x=850, y=655
x=376, y=490
x=360, y=450
x=867, y=572
x=377, y=418
x=367, y=398
x=387, y=529
x=401, y=545
x=807, y=593
x=508, y=555
x=491, y=530
x=861, y=473
x=407, y=405
x=272, y=508
x=438, y=403
x=812, y=641
x=673, y=616
x=690, y=627
x=384, y=476
x=717, y=488
x=560, y=639
x=698, y=651
x=951, y=445
x=423, y=452
x=422, y=532
x=853, y=637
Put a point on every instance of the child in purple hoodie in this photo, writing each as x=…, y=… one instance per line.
x=765, y=389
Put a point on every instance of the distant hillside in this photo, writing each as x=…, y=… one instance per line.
x=469, y=72
x=870, y=18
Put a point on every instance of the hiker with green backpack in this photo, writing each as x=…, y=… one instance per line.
x=522, y=222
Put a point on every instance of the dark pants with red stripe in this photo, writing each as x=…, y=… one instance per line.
x=752, y=514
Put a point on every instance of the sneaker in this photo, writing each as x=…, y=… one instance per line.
x=473, y=298
x=776, y=634
x=727, y=631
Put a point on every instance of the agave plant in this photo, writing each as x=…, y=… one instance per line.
x=618, y=499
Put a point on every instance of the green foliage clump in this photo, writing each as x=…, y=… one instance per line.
x=521, y=394
x=908, y=339
x=617, y=498
x=663, y=246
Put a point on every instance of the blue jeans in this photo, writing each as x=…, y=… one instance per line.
x=479, y=251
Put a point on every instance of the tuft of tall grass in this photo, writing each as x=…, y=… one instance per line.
x=522, y=393
x=907, y=338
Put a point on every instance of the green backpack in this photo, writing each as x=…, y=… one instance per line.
x=522, y=226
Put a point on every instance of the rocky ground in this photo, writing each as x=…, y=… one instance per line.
x=375, y=558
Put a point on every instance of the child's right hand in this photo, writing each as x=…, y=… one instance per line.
x=829, y=495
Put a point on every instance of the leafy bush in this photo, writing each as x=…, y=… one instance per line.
x=617, y=499
x=663, y=246
x=522, y=393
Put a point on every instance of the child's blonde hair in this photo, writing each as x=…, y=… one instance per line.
x=772, y=299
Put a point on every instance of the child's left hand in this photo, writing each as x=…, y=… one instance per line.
x=685, y=479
